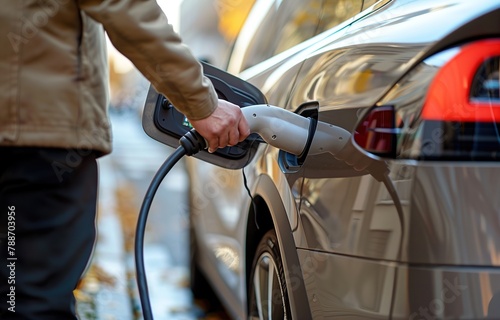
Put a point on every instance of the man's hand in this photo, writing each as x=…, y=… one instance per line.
x=226, y=126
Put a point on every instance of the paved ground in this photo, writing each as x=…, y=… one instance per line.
x=108, y=290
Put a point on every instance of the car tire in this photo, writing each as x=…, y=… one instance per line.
x=267, y=302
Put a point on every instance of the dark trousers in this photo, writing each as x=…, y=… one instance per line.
x=47, y=229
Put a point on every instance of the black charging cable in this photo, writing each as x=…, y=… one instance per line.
x=190, y=143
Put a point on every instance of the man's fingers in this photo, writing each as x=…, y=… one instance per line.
x=213, y=144
x=225, y=126
x=234, y=136
x=243, y=129
x=228, y=138
x=223, y=140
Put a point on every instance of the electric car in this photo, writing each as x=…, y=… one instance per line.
x=403, y=221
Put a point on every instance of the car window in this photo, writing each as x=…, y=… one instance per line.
x=298, y=22
x=272, y=27
x=375, y=3
x=337, y=11
x=368, y=3
x=260, y=46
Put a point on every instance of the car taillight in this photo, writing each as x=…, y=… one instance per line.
x=447, y=108
x=377, y=132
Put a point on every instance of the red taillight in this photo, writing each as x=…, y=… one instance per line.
x=376, y=132
x=446, y=108
x=449, y=96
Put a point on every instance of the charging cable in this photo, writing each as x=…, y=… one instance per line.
x=190, y=143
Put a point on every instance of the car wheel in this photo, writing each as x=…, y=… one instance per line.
x=268, y=295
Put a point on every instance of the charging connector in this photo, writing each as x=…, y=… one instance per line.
x=292, y=132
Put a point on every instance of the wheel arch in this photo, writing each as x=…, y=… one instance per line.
x=269, y=213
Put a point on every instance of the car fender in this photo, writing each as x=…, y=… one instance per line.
x=299, y=302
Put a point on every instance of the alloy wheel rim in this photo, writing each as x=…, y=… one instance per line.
x=267, y=284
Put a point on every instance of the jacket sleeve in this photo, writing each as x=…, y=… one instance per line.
x=140, y=31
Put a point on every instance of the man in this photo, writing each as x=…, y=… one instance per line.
x=54, y=124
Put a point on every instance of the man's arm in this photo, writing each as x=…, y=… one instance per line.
x=140, y=31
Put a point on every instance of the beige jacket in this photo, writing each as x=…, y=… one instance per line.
x=54, y=76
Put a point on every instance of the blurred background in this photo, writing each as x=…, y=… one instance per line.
x=108, y=290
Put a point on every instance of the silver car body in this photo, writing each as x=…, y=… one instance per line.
x=423, y=244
